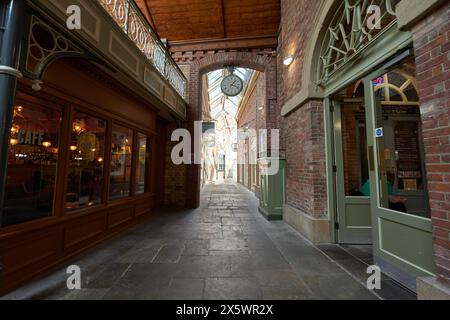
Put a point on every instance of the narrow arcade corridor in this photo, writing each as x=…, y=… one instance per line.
x=224, y=150
x=223, y=250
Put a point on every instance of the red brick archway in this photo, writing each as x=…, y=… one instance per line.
x=262, y=63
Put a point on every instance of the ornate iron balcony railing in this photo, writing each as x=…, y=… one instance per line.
x=129, y=17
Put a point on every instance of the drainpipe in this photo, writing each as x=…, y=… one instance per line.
x=13, y=12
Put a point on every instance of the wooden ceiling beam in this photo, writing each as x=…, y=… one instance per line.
x=181, y=57
x=259, y=42
x=148, y=14
x=223, y=27
x=194, y=20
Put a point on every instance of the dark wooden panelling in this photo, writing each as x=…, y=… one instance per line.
x=85, y=85
x=28, y=254
x=119, y=216
x=84, y=228
x=33, y=249
x=30, y=249
x=143, y=206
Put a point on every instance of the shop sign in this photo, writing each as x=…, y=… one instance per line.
x=33, y=138
x=88, y=146
x=379, y=132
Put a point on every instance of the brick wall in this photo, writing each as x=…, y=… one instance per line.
x=297, y=19
x=247, y=119
x=250, y=108
x=302, y=130
x=248, y=115
x=254, y=119
x=431, y=46
x=305, y=159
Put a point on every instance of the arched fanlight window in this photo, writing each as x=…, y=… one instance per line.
x=355, y=25
x=397, y=87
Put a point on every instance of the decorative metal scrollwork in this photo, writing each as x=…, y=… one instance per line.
x=356, y=24
x=44, y=46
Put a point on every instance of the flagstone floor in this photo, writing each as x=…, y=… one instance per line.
x=223, y=250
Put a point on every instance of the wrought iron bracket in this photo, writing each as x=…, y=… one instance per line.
x=11, y=71
x=40, y=55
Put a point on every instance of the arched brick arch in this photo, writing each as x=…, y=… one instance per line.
x=214, y=61
x=219, y=60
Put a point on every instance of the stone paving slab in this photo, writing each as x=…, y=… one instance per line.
x=223, y=250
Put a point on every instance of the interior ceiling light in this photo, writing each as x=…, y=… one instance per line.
x=288, y=60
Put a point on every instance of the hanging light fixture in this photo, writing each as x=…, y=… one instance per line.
x=47, y=144
x=15, y=129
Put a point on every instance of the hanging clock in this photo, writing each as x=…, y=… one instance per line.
x=232, y=85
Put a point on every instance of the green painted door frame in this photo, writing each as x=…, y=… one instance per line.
x=402, y=244
x=272, y=194
x=378, y=51
x=353, y=219
x=330, y=160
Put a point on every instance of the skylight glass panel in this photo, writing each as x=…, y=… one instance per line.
x=230, y=107
x=216, y=92
x=213, y=76
x=215, y=99
x=220, y=104
x=236, y=100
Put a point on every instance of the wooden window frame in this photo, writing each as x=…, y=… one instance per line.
x=69, y=106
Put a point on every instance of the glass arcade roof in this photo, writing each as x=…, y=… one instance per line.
x=220, y=104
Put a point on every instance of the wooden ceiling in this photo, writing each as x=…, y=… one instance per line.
x=214, y=24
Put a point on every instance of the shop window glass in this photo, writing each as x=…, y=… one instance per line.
x=87, y=148
x=396, y=79
x=354, y=147
x=121, y=156
x=395, y=95
x=411, y=93
x=142, y=163
x=32, y=160
x=402, y=177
